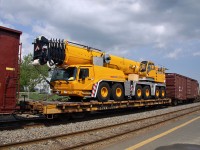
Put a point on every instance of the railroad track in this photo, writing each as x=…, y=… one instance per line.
x=101, y=134
x=23, y=123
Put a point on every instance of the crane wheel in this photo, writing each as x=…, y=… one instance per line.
x=162, y=92
x=138, y=92
x=104, y=91
x=157, y=93
x=146, y=92
x=118, y=92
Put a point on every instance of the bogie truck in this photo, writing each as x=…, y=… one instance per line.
x=85, y=72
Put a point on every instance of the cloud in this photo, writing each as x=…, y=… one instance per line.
x=174, y=54
x=5, y=24
x=26, y=45
x=196, y=54
x=115, y=26
x=118, y=52
x=98, y=23
x=136, y=7
x=150, y=29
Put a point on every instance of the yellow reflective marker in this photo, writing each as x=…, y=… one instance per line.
x=160, y=135
x=10, y=69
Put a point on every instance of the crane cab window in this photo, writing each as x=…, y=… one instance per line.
x=150, y=67
x=143, y=66
x=84, y=73
x=68, y=74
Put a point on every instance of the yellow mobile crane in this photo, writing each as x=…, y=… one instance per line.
x=85, y=72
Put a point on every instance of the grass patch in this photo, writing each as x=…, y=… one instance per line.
x=43, y=96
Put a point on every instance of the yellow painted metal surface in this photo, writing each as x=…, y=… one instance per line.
x=83, y=88
x=78, y=55
x=68, y=107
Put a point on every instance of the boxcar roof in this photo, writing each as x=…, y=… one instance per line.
x=10, y=30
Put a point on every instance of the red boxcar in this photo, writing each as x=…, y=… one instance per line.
x=179, y=87
x=9, y=68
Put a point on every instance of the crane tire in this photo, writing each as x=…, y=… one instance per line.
x=138, y=92
x=146, y=92
x=162, y=92
x=118, y=92
x=157, y=93
x=104, y=92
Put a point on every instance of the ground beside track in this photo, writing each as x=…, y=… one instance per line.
x=182, y=134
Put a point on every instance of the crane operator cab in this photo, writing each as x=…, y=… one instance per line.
x=150, y=72
x=73, y=81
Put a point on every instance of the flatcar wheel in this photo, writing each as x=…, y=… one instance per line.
x=117, y=92
x=157, y=93
x=104, y=91
x=162, y=92
x=146, y=92
x=138, y=92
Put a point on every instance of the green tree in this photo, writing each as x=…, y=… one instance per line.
x=29, y=75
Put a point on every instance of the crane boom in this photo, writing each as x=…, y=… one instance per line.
x=63, y=53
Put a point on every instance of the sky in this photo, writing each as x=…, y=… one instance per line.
x=166, y=32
